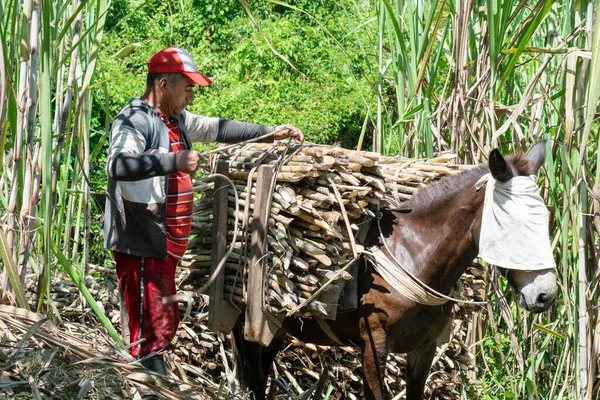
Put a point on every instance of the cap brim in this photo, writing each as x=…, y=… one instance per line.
x=197, y=78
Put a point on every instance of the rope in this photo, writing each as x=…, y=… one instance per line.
x=400, y=280
x=355, y=251
x=223, y=260
x=413, y=283
x=244, y=247
x=345, y=215
x=277, y=168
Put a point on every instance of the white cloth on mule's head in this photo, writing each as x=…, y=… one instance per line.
x=514, y=227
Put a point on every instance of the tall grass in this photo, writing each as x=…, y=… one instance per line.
x=49, y=54
x=480, y=74
x=467, y=76
x=448, y=75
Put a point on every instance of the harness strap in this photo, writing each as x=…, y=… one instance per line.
x=406, y=283
x=399, y=279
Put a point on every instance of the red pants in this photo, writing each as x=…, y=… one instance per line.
x=148, y=285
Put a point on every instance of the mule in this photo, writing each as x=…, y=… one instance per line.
x=436, y=241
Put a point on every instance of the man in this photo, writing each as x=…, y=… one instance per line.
x=150, y=197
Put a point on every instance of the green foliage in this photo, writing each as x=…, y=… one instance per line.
x=250, y=83
x=494, y=380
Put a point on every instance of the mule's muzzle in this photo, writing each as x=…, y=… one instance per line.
x=538, y=301
x=536, y=290
x=541, y=302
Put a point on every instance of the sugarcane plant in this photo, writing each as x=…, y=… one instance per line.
x=464, y=77
x=506, y=74
x=49, y=54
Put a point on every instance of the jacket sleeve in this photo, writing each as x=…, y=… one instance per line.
x=129, y=161
x=207, y=129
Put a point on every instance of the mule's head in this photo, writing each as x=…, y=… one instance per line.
x=536, y=289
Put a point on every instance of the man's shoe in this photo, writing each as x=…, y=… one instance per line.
x=155, y=363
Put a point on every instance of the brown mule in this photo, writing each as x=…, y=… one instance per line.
x=436, y=241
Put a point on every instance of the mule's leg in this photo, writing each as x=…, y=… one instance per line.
x=417, y=368
x=248, y=357
x=374, y=355
x=253, y=360
x=268, y=356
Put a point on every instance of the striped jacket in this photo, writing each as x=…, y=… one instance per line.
x=138, y=164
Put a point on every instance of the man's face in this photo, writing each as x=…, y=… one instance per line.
x=177, y=94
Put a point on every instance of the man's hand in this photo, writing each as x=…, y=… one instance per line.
x=187, y=161
x=286, y=131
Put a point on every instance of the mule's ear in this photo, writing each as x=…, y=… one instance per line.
x=536, y=155
x=499, y=167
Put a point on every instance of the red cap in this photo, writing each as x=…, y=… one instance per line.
x=173, y=59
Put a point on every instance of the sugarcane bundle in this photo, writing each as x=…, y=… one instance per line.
x=319, y=199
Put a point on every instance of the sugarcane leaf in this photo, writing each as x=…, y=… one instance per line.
x=78, y=281
x=13, y=276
